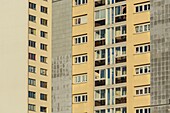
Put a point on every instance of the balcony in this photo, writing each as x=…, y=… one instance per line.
x=100, y=103
x=99, y=3
x=121, y=100
x=120, y=18
x=120, y=39
x=100, y=23
x=100, y=82
x=120, y=80
x=121, y=59
x=99, y=43
x=100, y=63
x=119, y=1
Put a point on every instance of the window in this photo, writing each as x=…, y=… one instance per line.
x=142, y=7
x=142, y=28
x=142, y=48
x=43, y=71
x=80, y=20
x=120, y=51
x=32, y=56
x=31, y=69
x=43, y=84
x=31, y=82
x=120, y=13
x=32, y=43
x=43, y=109
x=32, y=18
x=102, y=111
x=43, y=59
x=100, y=14
x=43, y=21
x=120, y=30
x=44, y=9
x=120, y=91
x=80, y=59
x=80, y=98
x=145, y=69
x=43, y=96
x=31, y=107
x=80, y=2
x=100, y=54
x=143, y=110
x=142, y=90
x=100, y=74
x=80, y=39
x=121, y=71
x=80, y=78
x=32, y=31
x=100, y=94
x=43, y=34
x=121, y=110
x=32, y=6
x=31, y=94
x=43, y=46
x=119, y=10
x=100, y=34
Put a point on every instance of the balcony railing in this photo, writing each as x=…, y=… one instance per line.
x=100, y=23
x=119, y=0
x=121, y=59
x=99, y=43
x=100, y=82
x=120, y=18
x=99, y=102
x=100, y=63
x=121, y=100
x=120, y=80
x=120, y=39
x=99, y=3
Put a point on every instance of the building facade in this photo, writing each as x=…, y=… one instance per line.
x=62, y=56
x=26, y=56
x=160, y=81
x=110, y=56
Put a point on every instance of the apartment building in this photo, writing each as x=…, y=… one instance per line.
x=160, y=24
x=62, y=56
x=25, y=46
x=110, y=56
x=138, y=56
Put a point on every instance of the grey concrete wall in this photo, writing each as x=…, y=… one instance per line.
x=62, y=56
x=160, y=56
x=13, y=56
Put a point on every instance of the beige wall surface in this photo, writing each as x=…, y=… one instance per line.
x=13, y=56
x=87, y=48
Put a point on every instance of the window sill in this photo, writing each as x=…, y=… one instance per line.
x=141, y=53
x=79, y=102
x=141, y=12
x=80, y=5
x=141, y=32
x=79, y=83
x=79, y=24
x=80, y=63
x=141, y=95
x=141, y=74
x=79, y=44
